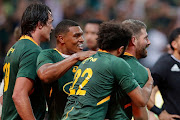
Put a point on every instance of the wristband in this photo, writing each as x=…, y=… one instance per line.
x=156, y=110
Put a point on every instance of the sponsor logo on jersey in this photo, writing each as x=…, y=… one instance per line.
x=175, y=68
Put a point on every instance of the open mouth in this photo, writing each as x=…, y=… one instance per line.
x=80, y=46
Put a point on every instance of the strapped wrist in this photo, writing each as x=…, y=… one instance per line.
x=156, y=110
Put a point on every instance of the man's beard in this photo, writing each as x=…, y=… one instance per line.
x=143, y=53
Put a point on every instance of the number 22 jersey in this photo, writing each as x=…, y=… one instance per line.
x=93, y=83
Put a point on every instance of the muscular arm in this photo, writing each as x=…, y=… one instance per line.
x=23, y=87
x=52, y=71
x=139, y=113
x=140, y=96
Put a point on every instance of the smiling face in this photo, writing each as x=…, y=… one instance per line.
x=142, y=42
x=73, y=40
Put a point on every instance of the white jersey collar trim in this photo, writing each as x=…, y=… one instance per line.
x=175, y=58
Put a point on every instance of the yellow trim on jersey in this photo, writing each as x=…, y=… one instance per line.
x=29, y=38
x=65, y=86
x=104, y=100
x=127, y=105
x=58, y=51
x=100, y=50
x=50, y=93
x=128, y=54
x=69, y=112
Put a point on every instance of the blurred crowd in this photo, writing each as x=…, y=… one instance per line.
x=160, y=16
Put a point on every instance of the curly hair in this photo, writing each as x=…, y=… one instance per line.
x=33, y=14
x=112, y=36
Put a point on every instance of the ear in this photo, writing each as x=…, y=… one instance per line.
x=60, y=38
x=39, y=25
x=120, y=50
x=133, y=41
x=174, y=44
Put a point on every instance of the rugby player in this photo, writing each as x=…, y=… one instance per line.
x=56, y=67
x=23, y=96
x=102, y=73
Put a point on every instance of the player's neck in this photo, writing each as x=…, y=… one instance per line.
x=176, y=54
x=131, y=51
x=63, y=49
x=36, y=38
x=94, y=49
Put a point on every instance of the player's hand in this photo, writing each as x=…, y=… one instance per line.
x=166, y=116
x=149, y=75
x=85, y=54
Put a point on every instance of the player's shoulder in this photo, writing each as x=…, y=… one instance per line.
x=27, y=43
x=165, y=58
x=109, y=58
x=119, y=61
x=49, y=52
x=26, y=46
x=129, y=58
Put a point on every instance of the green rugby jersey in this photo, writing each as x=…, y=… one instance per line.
x=93, y=83
x=20, y=61
x=122, y=109
x=60, y=88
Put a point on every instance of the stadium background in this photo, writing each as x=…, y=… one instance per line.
x=160, y=16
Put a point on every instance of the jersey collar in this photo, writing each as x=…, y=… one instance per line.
x=63, y=55
x=128, y=54
x=100, y=50
x=29, y=38
x=175, y=58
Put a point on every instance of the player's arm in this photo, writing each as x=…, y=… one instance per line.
x=140, y=96
x=162, y=114
x=139, y=113
x=50, y=72
x=25, y=80
x=23, y=87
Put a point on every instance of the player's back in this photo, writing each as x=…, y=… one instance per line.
x=15, y=66
x=121, y=108
x=93, y=83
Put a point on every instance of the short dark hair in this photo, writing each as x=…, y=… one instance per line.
x=134, y=25
x=174, y=34
x=112, y=36
x=95, y=21
x=63, y=26
x=33, y=14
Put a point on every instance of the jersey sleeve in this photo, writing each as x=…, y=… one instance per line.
x=43, y=58
x=124, y=76
x=27, y=64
